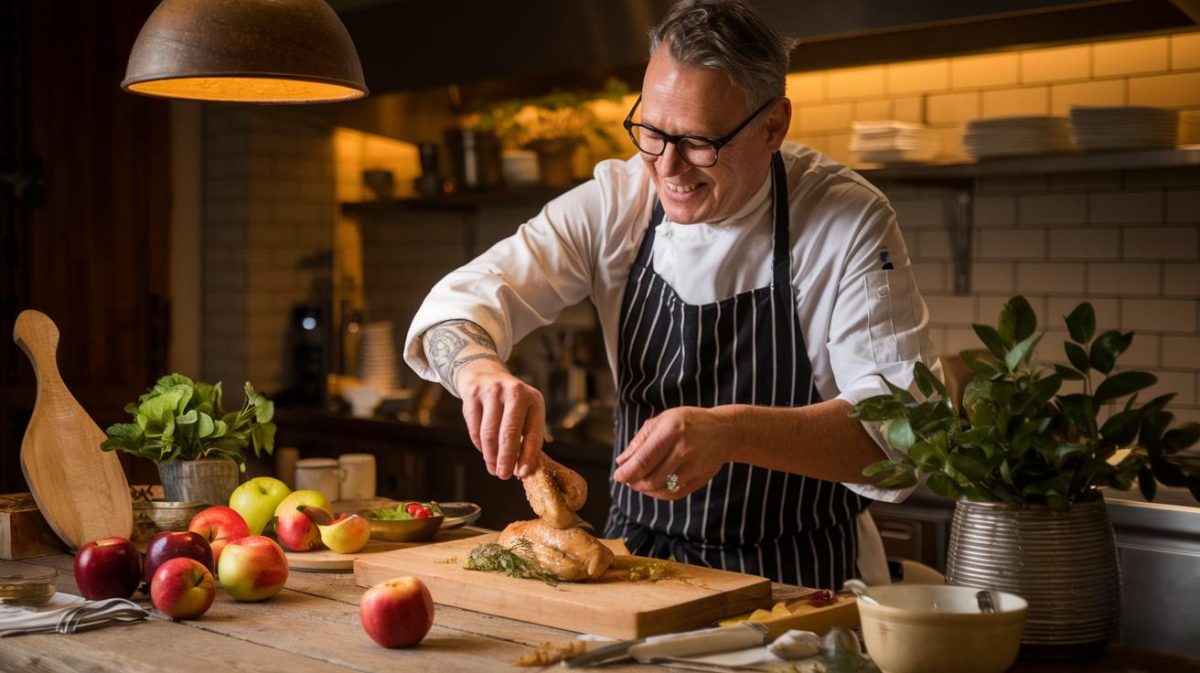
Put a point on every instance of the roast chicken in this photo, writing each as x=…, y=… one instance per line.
x=557, y=540
x=555, y=493
x=573, y=554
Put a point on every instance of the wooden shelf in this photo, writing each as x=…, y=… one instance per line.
x=1182, y=157
x=515, y=197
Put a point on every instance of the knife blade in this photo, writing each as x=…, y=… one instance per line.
x=672, y=645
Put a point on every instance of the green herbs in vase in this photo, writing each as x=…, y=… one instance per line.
x=1027, y=433
x=182, y=419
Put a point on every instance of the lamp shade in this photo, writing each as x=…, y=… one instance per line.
x=249, y=51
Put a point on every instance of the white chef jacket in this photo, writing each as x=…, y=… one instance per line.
x=856, y=299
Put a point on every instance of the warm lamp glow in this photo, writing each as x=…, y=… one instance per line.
x=249, y=51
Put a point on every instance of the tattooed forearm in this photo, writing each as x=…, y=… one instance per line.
x=473, y=332
x=442, y=345
x=445, y=342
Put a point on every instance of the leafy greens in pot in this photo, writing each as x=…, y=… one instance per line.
x=182, y=419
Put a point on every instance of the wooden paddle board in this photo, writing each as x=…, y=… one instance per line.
x=80, y=489
x=690, y=597
x=323, y=560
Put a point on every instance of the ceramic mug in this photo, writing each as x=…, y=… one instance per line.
x=319, y=474
x=358, y=476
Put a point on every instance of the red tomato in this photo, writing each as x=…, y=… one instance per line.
x=413, y=507
x=423, y=513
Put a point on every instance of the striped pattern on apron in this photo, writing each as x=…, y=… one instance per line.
x=746, y=349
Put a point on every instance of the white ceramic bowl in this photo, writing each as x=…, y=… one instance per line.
x=933, y=628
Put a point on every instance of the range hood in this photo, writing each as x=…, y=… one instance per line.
x=492, y=47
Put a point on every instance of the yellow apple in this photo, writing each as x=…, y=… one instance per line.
x=346, y=534
x=257, y=499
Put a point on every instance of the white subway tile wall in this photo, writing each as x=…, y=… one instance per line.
x=1127, y=241
x=269, y=210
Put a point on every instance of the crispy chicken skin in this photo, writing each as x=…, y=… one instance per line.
x=572, y=553
x=555, y=493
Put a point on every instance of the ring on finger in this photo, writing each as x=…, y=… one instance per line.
x=673, y=482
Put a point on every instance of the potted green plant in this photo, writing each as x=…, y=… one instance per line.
x=554, y=125
x=1026, y=455
x=182, y=426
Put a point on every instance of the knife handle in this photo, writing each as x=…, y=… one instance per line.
x=708, y=641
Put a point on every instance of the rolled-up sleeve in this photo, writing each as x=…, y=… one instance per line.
x=522, y=282
x=880, y=325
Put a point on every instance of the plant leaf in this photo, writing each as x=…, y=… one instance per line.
x=1077, y=356
x=1082, y=323
x=1017, y=321
x=1068, y=373
x=991, y=338
x=1180, y=438
x=1021, y=351
x=1146, y=483
x=981, y=362
x=1122, y=384
x=899, y=433
x=1105, y=350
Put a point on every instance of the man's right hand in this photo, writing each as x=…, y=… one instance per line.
x=505, y=416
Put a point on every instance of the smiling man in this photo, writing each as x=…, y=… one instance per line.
x=750, y=291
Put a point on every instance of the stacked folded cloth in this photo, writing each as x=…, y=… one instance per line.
x=65, y=613
x=1017, y=136
x=892, y=142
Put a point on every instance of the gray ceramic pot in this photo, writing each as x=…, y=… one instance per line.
x=209, y=481
x=1063, y=563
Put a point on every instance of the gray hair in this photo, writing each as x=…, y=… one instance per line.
x=729, y=36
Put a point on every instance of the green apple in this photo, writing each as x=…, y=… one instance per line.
x=257, y=499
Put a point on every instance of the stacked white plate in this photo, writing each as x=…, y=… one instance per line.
x=377, y=356
x=892, y=142
x=1018, y=136
x=1125, y=127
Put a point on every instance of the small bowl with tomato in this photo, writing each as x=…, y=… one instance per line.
x=408, y=521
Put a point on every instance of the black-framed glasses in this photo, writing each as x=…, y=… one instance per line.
x=699, y=151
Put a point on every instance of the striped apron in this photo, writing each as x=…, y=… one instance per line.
x=746, y=349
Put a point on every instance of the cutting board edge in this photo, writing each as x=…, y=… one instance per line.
x=697, y=612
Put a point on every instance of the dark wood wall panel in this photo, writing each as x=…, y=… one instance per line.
x=91, y=247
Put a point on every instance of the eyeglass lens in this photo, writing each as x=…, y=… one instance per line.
x=696, y=152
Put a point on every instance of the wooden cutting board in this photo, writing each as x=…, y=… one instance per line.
x=327, y=561
x=80, y=489
x=614, y=605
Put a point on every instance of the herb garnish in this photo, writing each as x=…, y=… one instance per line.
x=515, y=561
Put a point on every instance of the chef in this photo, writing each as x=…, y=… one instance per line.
x=750, y=292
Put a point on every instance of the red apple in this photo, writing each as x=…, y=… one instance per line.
x=182, y=588
x=174, y=544
x=397, y=612
x=108, y=568
x=297, y=529
x=219, y=525
x=252, y=568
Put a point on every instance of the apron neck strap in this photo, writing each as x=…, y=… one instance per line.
x=781, y=253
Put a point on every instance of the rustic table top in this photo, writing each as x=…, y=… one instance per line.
x=313, y=626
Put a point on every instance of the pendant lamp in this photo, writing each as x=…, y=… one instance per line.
x=245, y=51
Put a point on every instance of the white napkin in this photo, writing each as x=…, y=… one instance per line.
x=65, y=613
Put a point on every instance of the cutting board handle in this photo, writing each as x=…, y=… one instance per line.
x=37, y=335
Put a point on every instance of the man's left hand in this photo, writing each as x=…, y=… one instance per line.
x=690, y=442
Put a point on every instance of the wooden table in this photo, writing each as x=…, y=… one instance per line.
x=312, y=626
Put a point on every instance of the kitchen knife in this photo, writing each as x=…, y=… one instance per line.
x=673, y=645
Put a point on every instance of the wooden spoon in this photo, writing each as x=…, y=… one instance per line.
x=80, y=489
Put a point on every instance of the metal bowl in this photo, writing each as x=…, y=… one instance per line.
x=152, y=518
x=402, y=530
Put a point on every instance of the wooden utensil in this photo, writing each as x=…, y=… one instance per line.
x=80, y=489
x=614, y=605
